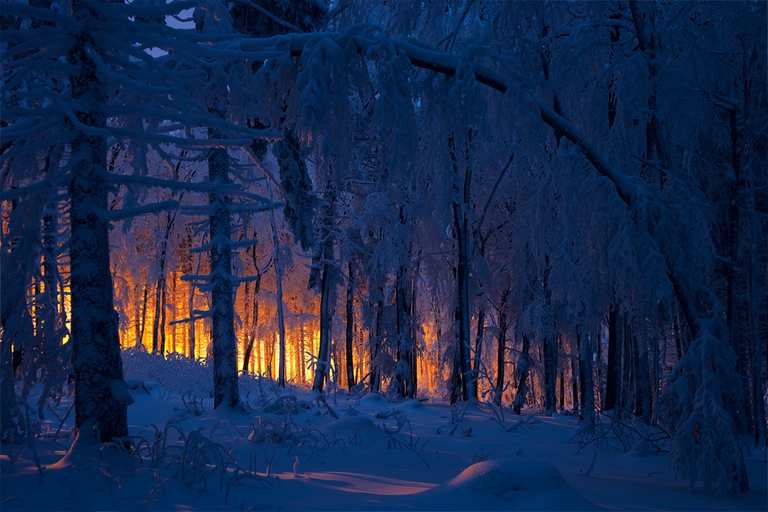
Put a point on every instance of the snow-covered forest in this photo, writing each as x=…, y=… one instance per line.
x=236, y=221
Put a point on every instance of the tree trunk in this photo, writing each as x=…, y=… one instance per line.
x=101, y=395
x=303, y=350
x=322, y=276
x=350, y=327
x=323, y=356
x=461, y=205
x=143, y=321
x=12, y=303
x=549, y=347
x=403, y=371
x=585, y=378
x=251, y=336
x=577, y=385
x=225, y=388
x=279, y=284
x=375, y=346
x=413, y=352
x=758, y=302
x=477, y=361
x=613, y=383
x=192, y=329
x=158, y=323
x=501, y=348
x=523, y=366
x=642, y=385
x=50, y=266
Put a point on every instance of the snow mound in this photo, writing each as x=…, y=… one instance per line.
x=358, y=428
x=509, y=485
x=372, y=398
x=410, y=405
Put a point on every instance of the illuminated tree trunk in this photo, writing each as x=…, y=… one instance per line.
x=302, y=353
x=413, y=353
x=158, y=322
x=253, y=325
x=143, y=315
x=350, y=327
x=279, y=285
x=50, y=268
x=323, y=278
x=502, y=346
x=191, y=306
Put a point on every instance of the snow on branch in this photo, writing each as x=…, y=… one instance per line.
x=125, y=213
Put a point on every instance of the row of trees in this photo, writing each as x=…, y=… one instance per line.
x=583, y=184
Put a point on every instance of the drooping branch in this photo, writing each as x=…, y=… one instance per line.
x=626, y=186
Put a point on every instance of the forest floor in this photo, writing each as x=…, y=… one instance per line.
x=288, y=452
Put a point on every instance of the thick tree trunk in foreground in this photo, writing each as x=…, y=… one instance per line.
x=12, y=300
x=101, y=395
x=225, y=388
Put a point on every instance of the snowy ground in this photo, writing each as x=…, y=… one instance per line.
x=289, y=453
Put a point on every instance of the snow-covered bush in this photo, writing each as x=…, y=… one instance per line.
x=176, y=373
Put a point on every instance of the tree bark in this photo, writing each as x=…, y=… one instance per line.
x=12, y=303
x=404, y=353
x=350, y=327
x=523, y=366
x=326, y=281
x=613, y=381
x=549, y=346
x=586, y=379
x=225, y=387
x=158, y=323
x=477, y=365
x=461, y=225
x=251, y=337
x=375, y=345
x=502, y=346
x=101, y=395
x=279, y=284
